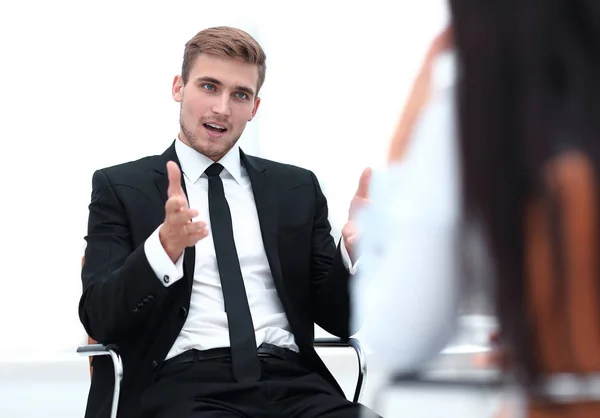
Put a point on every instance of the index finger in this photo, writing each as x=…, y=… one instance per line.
x=174, y=180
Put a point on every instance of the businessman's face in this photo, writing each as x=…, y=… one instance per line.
x=217, y=101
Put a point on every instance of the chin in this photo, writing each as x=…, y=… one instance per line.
x=211, y=149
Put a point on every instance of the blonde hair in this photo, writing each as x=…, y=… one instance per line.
x=224, y=41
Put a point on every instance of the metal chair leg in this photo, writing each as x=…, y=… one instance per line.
x=103, y=350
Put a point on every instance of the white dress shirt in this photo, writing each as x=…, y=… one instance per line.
x=406, y=294
x=206, y=323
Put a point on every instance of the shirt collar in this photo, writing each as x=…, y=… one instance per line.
x=193, y=164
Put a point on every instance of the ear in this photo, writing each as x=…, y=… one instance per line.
x=256, y=104
x=177, y=89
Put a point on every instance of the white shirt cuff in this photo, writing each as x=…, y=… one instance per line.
x=167, y=272
x=346, y=259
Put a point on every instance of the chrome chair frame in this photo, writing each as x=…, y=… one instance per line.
x=91, y=350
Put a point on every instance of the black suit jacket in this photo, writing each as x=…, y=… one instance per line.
x=125, y=304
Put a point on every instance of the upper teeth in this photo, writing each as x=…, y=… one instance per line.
x=215, y=126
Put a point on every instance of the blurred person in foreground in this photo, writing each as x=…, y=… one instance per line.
x=516, y=161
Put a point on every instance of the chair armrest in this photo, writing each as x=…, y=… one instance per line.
x=95, y=349
x=92, y=350
x=360, y=355
x=481, y=382
x=331, y=342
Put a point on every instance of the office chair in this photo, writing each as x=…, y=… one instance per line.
x=455, y=367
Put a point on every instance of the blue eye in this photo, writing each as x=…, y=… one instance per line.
x=241, y=95
x=209, y=87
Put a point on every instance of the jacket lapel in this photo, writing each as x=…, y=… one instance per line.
x=267, y=206
x=162, y=182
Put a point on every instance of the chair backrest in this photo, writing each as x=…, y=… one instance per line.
x=90, y=339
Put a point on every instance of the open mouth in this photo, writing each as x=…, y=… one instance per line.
x=213, y=127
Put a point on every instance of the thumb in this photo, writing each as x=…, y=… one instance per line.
x=174, y=179
x=363, y=183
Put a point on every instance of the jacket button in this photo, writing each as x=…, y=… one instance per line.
x=166, y=278
x=154, y=364
x=183, y=312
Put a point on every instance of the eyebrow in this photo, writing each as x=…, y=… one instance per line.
x=214, y=81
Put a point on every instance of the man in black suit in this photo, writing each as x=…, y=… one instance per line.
x=200, y=255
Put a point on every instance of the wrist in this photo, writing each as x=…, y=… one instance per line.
x=172, y=251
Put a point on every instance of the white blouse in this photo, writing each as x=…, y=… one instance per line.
x=406, y=292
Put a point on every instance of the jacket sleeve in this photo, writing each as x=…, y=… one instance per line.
x=119, y=286
x=329, y=276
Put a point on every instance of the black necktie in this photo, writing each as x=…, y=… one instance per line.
x=244, y=356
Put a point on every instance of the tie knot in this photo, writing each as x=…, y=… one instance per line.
x=214, y=170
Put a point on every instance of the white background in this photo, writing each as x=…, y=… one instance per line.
x=85, y=85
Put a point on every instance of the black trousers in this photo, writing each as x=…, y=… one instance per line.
x=206, y=389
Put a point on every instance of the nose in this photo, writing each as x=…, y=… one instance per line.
x=221, y=105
